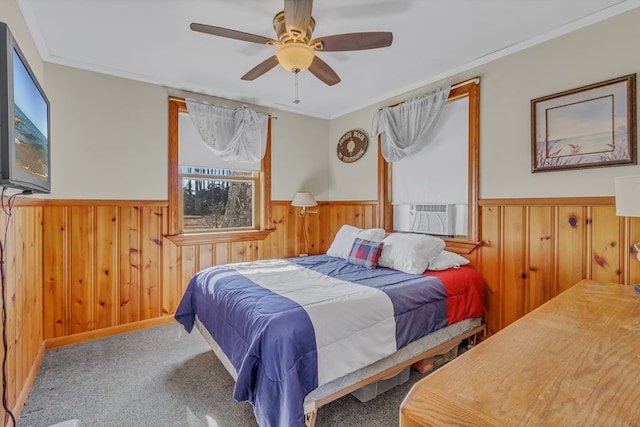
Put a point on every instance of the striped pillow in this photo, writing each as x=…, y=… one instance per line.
x=365, y=253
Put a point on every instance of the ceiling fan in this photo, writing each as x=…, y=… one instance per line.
x=295, y=49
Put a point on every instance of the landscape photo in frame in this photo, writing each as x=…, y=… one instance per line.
x=591, y=126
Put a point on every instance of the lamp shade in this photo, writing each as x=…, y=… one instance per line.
x=627, y=190
x=304, y=200
x=295, y=56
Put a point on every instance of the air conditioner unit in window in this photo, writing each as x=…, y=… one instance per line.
x=439, y=219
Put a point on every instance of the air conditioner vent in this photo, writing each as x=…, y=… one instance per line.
x=430, y=208
x=439, y=219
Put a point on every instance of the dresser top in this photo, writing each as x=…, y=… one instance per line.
x=575, y=360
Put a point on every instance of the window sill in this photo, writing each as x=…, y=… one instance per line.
x=461, y=246
x=220, y=237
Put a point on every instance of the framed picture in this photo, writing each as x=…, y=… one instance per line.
x=591, y=126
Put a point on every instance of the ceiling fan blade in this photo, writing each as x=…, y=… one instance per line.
x=352, y=41
x=261, y=68
x=232, y=34
x=297, y=14
x=323, y=71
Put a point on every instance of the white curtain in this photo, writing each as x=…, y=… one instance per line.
x=194, y=153
x=233, y=134
x=405, y=128
x=438, y=174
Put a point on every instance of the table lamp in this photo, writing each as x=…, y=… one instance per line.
x=303, y=201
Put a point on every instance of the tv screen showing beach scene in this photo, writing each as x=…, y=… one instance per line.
x=31, y=119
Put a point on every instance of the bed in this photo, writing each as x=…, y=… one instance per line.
x=300, y=332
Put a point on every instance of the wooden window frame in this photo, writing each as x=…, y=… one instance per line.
x=263, y=200
x=472, y=91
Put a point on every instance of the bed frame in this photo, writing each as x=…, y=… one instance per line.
x=311, y=409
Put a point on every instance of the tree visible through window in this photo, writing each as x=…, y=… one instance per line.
x=215, y=199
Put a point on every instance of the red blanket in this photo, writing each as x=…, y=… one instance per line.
x=465, y=292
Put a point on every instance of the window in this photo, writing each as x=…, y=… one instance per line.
x=217, y=199
x=470, y=92
x=211, y=199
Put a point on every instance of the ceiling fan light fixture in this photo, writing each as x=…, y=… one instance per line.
x=295, y=49
x=295, y=56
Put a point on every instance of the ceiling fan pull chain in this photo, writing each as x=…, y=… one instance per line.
x=297, y=99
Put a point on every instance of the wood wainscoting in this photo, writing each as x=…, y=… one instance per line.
x=536, y=248
x=22, y=249
x=83, y=269
x=110, y=268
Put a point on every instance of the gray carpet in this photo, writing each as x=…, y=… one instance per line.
x=163, y=376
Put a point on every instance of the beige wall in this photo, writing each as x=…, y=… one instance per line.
x=599, y=52
x=110, y=140
x=596, y=53
x=357, y=180
x=109, y=135
x=298, y=151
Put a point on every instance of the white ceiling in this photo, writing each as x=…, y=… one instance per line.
x=150, y=41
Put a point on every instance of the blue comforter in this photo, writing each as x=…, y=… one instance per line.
x=288, y=326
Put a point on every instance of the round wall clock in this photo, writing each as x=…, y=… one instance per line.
x=352, y=145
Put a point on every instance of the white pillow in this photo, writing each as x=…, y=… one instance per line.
x=342, y=243
x=410, y=253
x=446, y=260
x=372, y=234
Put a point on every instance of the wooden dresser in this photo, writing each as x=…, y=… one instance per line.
x=574, y=361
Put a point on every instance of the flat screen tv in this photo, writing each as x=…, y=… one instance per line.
x=25, y=145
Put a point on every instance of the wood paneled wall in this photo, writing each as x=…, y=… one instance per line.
x=22, y=248
x=109, y=264
x=78, y=270
x=536, y=248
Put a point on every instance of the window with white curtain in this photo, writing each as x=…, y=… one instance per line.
x=210, y=194
x=436, y=189
x=217, y=194
x=430, y=189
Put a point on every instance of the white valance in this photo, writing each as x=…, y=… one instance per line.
x=194, y=153
x=405, y=128
x=233, y=134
